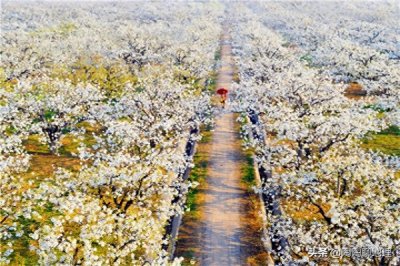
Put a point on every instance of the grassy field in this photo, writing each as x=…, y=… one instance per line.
x=386, y=141
x=199, y=172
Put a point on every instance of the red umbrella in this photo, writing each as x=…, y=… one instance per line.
x=222, y=91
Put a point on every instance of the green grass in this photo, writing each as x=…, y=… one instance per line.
x=386, y=141
x=69, y=143
x=211, y=82
x=248, y=170
x=217, y=55
x=206, y=136
x=22, y=254
x=199, y=172
x=306, y=58
x=376, y=108
x=392, y=130
x=191, y=199
x=188, y=256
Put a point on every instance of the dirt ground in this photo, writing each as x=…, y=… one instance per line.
x=227, y=227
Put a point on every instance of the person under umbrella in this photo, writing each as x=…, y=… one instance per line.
x=223, y=93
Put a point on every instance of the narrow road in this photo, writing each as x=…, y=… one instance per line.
x=226, y=230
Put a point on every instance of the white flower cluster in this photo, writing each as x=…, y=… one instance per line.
x=132, y=79
x=324, y=189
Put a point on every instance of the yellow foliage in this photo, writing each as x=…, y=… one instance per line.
x=388, y=144
x=5, y=83
x=64, y=29
x=112, y=79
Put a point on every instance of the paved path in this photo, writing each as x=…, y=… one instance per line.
x=226, y=230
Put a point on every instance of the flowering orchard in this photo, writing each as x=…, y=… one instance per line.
x=96, y=102
x=321, y=187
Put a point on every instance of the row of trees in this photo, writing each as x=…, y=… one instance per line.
x=365, y=36
x=131, y=78
x=324, y=193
